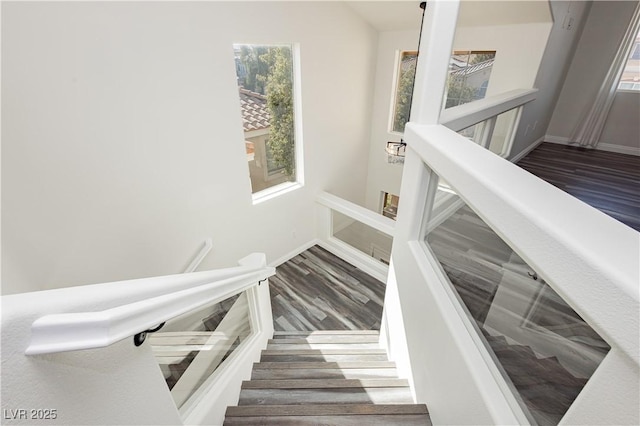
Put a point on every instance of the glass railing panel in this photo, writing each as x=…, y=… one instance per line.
x=362, y=237
x=190, y=348
x=473, y=133
x=545, y=350
x=502, y=131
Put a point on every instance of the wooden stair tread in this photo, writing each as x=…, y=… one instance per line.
x=322, y=346
x=339, y=395
x=277, y=334
x=322, y=373
x=322, y=364
x=325, y=409
x=324, y=383
x=337, y=377
x=327, y=338
x=354, y=351
x=334, y=420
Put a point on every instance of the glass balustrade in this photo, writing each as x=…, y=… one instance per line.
x=190, y=348
x=362, y=237
x=544, y=349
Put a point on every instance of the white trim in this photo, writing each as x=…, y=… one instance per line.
x=87, y=330
x=293, y=253
x=274, y=191
x=208, y=244
x=527, y=150
x=609, y=147
x=360, y=260
x=466, y=115
x=359, y=213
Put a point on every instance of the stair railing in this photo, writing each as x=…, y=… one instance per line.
x=100, y=346
x=355, y=233
x=587, y=258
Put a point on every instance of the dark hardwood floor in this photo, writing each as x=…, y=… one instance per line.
x=319, y=291
x=607, y=181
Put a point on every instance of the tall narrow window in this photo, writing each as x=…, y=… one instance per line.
x=630, y=78
x=265, y=77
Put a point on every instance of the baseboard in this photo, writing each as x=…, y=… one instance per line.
x=527, y=150
x=294, y=253
x=609, y=147
x=367, y=264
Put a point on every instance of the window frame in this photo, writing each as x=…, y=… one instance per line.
x=275, y=191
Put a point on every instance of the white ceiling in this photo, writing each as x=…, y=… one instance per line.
x=402, y=14
x=389, y=15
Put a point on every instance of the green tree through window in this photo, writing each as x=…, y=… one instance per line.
x=268, y=70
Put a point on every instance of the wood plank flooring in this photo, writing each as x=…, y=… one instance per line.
x=607, y=181
x=319, y=291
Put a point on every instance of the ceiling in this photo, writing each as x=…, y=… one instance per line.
x=389, y=15
x=403, y=15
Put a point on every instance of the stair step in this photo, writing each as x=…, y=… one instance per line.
x=321, y=346
x=329, y=414
x=322, y=373
x=325, y=409
x=328, y=338
x=284, y=334
x=328, y=355
x=349, y=420
x=324, y=383
x=322, y=364
x=341, y=395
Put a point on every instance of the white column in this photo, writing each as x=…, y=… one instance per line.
x=438, y=31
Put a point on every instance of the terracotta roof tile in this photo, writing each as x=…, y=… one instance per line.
x=255, y=115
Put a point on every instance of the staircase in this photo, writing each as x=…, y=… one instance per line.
x=325, y=378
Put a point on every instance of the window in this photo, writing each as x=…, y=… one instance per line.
x=404, y=90
x=630, y=79
x=265, y=76
x=390, y=205
x=469, y=74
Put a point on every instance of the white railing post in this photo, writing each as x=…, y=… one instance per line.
x=438, y=31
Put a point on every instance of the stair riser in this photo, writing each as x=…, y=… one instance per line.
x=322, y=358
x=325, y=384
x=326, y=339
x=321, y=346
x=325, y=396
x=368, y=420
x=323, y=373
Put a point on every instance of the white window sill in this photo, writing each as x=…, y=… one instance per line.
x=274, y=191
x=628, y=91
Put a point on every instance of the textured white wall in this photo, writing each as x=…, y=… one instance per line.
x=600, y=39
x=122, y=141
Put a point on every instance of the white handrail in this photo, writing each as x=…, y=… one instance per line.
x=208, y=244
x=466, y=115
x=590, y=259
x=85, y=330
x=359, y=213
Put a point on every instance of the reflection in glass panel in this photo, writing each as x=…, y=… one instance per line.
x=502, y=132
x=190, y=347
x=362, y=237
x=545, y=348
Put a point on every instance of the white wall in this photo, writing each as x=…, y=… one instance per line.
x=603, y=30
x=551, y=73
x=383, y=176
x=122, y=140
